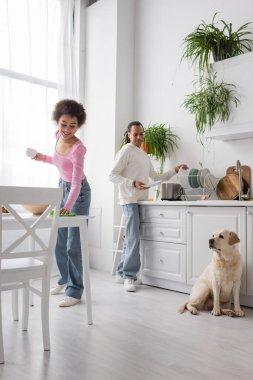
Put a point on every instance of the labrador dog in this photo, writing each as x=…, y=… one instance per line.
x=220, y=280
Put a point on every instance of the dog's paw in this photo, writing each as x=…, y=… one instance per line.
x=216, y=312
x=193, y=310
x=239, y=313
x=231, y=313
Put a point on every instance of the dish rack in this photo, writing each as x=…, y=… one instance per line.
x=197, y=184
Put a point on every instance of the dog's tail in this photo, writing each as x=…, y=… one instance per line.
x=182, y=307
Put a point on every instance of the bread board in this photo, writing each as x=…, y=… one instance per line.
x=228, y=187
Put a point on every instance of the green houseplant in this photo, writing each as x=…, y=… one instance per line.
x=159, y=142
x=211, y=103
x=210, y=40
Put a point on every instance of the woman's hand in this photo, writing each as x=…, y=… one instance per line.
x=183, y=166
x=64, y=211
x=39, y=157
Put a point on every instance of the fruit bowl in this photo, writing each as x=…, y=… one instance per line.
x=35, y=209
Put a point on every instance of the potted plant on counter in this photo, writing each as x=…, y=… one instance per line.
x=159, y=142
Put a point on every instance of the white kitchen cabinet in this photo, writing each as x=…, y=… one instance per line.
x=174, y=241
x=250, y=251
x=202, y=222
x=163, y=245
x=163, y=223
x=175, y=247
x=165, y=261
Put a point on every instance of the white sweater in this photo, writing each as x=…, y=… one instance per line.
x=133, y=164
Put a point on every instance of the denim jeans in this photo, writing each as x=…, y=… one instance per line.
x=130, y=261
x=68, y=247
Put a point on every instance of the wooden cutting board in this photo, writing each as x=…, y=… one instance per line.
x=228, y=187
x=246, y=176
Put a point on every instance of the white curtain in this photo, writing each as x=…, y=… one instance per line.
x=37, y=68
x=67, y=71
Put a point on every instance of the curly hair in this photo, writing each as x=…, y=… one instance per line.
x=69, y=107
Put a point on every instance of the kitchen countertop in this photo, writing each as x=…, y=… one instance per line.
x=199, y=203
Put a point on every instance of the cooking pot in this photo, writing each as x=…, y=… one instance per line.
x=171, y=191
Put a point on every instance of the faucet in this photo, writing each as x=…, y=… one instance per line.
x=241, y=192
x=239, y=171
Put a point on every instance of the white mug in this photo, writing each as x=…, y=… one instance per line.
x=30, y=152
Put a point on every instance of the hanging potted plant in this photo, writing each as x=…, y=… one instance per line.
x=212, y=103
x=211, y=41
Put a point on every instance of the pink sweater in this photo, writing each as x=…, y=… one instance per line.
x=70, y=167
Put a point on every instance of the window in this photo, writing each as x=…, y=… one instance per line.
x=33, y=35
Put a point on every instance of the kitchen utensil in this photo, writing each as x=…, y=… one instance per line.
x=35, y=209
x=30, y=152
x=182, y=177
x=228, y=187
x=210, y=181
x=198, y=178
x=171, y=191
x=152, y=184
x=202, y=174
x=246, y=175
x=193, y=178
x=4, y=210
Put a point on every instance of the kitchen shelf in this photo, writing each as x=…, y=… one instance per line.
x=231, y=131
x=238, y=71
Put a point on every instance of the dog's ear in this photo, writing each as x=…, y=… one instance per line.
x=233, y=238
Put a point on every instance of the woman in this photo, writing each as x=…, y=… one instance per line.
x=68, y=157
x=131, y=171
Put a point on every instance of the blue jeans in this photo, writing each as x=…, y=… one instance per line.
x=68, y=247
x=130, y=262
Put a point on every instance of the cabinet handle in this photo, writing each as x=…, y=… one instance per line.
x=248, y=213
x=161, y=214
x=162, y=233
x=161, y=261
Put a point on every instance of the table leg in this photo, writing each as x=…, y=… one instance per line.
x=86, y=268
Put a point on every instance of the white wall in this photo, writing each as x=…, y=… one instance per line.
x=161, y=81
x=109, y=105
x=133, y=71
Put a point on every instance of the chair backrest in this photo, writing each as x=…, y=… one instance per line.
x=11, y=197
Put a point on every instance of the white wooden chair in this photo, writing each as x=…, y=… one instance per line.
x=19, y=264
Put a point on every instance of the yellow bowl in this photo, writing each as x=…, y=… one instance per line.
x=35, y=209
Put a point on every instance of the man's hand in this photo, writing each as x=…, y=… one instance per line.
x=140, y=185
x=183, y=166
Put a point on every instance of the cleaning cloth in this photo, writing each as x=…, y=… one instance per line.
x=70, y=214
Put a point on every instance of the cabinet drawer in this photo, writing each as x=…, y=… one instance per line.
x=174, y=233
x=164, y=260
x=163, y=214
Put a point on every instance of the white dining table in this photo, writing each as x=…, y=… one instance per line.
x=9, y=223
